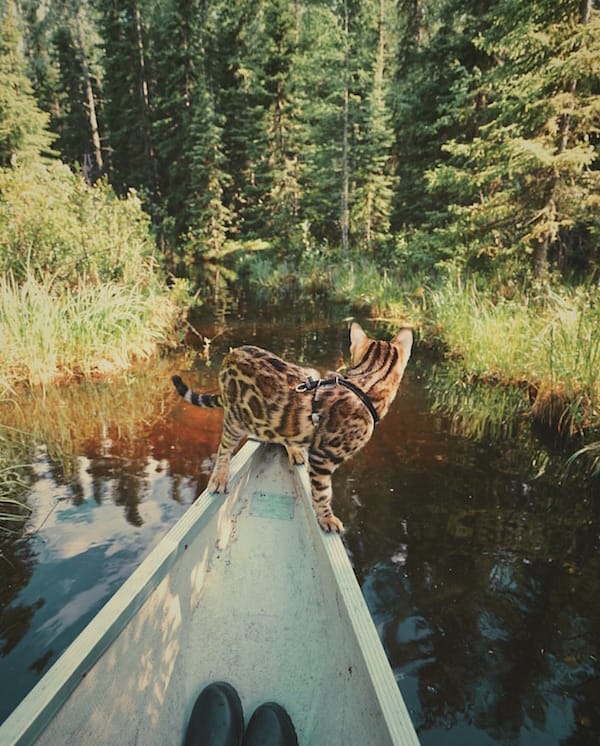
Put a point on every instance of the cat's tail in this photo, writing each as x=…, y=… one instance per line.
x=200, y=400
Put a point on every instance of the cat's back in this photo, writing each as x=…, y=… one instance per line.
x=257, y=368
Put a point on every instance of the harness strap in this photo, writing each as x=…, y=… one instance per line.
x=363, y=397
x=311, y=385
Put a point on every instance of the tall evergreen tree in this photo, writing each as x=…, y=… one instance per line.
x=373, y=183
x=127, y=95
x=320, y=89
x=76, y=116
x=208, y=218
x=175, y=67
x=436, y=62
x=525, y=181
x=273, y=190
x=24, y=134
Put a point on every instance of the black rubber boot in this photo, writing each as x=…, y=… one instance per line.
x=270, y=726
x=217, y=718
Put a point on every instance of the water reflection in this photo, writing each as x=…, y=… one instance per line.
x=483, y=577
x=481, y=570
x=111, y=467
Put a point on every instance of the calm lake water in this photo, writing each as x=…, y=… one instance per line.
x=482, y=573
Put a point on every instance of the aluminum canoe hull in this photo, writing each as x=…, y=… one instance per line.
x=244, y=588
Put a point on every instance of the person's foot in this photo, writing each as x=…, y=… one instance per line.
x=217, y=718
x=270, y=726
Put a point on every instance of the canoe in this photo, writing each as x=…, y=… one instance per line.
x=244, y=588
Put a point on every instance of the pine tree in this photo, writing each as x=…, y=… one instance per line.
x=76, y=117
x=435, y=97
x=24, y=134
x=374, y=181
x=127, y=96
x=524, y=182
x=175, y=68
x=208, y=219
x=320, y=85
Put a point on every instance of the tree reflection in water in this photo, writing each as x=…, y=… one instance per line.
x=482, y=573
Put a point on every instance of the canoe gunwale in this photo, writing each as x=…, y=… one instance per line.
x=391, y=703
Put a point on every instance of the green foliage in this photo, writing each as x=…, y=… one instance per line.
x=518, y=175
x=24, y=131
x=127, y=109
x=52, y=222
x=52, y=333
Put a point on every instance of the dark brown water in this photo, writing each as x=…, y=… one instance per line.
x=481, y=573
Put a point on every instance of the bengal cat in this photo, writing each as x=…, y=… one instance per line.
x=332, y=417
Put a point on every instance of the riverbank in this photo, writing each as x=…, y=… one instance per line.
x=81, y=291
x=542, y=339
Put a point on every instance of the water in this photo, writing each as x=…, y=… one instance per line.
x=481, y=572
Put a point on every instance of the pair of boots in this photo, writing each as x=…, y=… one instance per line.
x=218, y=720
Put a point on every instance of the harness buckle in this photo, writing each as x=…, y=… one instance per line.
x=309, y=385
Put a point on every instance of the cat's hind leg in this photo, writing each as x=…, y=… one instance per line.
x=320, y=480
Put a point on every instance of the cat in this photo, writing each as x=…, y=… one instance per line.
x=331, y=418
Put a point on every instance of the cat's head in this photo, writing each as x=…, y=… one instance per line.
x=360, y=346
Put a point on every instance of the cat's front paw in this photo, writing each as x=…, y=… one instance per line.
x=295, y=455
x=331, y=524
x=219, y=481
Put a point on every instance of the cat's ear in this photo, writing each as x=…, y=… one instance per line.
x=358, y=342
x=403, y=341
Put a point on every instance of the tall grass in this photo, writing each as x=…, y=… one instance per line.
x=51, y=332
x=14, y=467
x=550, y=343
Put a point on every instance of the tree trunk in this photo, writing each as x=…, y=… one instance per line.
x=89, y=92
x=345, y=208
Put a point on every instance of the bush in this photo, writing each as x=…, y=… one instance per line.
x=80, y=294
x=53, y=222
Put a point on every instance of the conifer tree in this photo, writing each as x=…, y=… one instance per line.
x=76, y=117
x=24, y=134
x=176, y=66
x=274, y=190
x=525, y=182
x=374, y=181
x=208, y=223
x=127, y=95
x=436, y=59
x=320, y=88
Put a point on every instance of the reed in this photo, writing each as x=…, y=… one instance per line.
x=14, y=470
x=548, y=342
x=590, y=456
x=51, y=332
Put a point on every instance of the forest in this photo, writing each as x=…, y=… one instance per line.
x=432, y=160
x=417, y=132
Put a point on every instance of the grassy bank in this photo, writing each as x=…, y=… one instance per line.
x=81, y=294
x=53, y=332
x=544, y=340
x=547, y=341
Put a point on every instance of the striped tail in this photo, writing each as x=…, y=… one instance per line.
x=200, y=400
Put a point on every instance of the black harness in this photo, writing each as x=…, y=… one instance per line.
x=311, y=385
